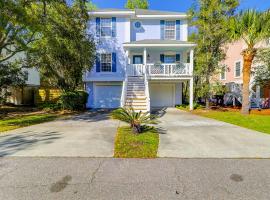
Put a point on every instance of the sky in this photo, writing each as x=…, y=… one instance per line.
x=180, y=5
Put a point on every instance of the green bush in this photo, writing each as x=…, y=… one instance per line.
x=73, y=100
x=50, y=106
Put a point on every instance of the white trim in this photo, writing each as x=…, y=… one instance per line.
x=180, y=16
x=241, y=68
x=159, y=45
x=109, y=13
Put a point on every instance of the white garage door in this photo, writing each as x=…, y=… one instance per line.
x=107, y=96
x=162, y=95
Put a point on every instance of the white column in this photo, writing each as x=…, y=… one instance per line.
x=144, y=56
x=191, y=94
x=191, y=61
x=127, y=55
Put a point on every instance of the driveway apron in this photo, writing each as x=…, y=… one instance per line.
x=186, y=135
x=86, y=135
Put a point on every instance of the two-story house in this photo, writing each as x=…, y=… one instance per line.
x=143, y=59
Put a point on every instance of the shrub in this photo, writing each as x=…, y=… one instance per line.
x=73, y=100
x=50, y=106
x=135, y=119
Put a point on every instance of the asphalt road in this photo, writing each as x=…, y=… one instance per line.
x=108, y=178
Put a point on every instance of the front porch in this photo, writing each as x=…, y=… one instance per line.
x=163, y=68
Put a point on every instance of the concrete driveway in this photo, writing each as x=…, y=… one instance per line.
x=86, y=135
x=186, y=135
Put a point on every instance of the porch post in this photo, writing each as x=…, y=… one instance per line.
x=127, y=54
x=191, y=93
x=144, y=56
x=191, y=55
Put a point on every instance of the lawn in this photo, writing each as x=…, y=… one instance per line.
x=253, y=121
x=25, y=120
x=129, y=145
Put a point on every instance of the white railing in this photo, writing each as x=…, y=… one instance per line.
x=158, y=69
x=124, y=92
x=135, y=70
x=147, y=91
x=180, y=69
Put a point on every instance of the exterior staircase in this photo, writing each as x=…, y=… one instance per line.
x=136, y=94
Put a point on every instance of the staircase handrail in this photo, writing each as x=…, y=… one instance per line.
x=146, y=89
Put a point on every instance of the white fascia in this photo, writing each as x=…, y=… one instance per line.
x=159, y=45
x=111, y=13
x=161, y=16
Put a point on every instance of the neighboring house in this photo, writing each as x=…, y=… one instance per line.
x=231, y=76
x=143, y=59
x=26, y=94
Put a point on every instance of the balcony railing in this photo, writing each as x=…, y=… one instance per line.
x=159, y=70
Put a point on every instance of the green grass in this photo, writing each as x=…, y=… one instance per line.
x=129, y=145
x=255, y=122
x=22, y=121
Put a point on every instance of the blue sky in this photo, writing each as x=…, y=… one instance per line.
x=180, y=5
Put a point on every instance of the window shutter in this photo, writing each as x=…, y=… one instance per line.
x=98, y=26
x=98, y=62
x=162, y=58
x=177, y=29
x=177, y=57
x=162, y=29
x=113, y=26
x=113, y=62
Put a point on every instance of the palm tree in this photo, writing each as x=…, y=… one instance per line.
x=135, y=119
x=252, y=27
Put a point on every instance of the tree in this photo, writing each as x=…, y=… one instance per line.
x=135, y=4
x=15, y=37
x=252, y=27
x=63, y=50
x=210, y=18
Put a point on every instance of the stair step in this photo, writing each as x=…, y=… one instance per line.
x=135, y=98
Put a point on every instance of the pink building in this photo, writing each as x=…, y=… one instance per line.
x=231, y=76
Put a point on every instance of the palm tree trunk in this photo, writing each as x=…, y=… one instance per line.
x=248, y=56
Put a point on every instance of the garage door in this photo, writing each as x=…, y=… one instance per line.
x=162, y=95
x=107, y=96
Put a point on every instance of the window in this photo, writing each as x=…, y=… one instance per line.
x=106, y=27
x=223, y=73
x=237, y=72
x=106, y=62
x=169, y=59
x=169, y=30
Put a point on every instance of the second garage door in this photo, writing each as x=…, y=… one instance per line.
x=162, y=95
x=107, y=96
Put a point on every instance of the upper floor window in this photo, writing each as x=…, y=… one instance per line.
x=106, y=27
x=237, y=69
x=169, y=30
x=106, y=62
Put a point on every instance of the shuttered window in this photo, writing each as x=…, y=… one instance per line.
x=169, y=30
x=106, y=27
x=106, y=62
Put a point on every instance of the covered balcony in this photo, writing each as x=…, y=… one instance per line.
x=160, y=59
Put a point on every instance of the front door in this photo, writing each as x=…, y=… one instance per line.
x=137, y=59
x=138, y=65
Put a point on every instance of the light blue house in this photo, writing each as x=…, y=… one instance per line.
x=143, y=58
